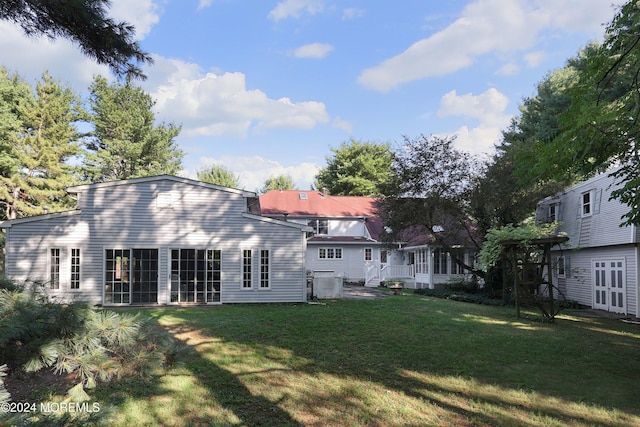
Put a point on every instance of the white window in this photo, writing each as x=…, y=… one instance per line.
x=552, y=215
x=586, y=204
x=368, y=256
x=246, y=269
x=560, y=267
x=54, y=268
x=320, y=226
x=265, y=266
x=421, y=260
x=329, y=253
x=75, y=269
x=439, y=262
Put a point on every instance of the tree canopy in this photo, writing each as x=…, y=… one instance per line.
x=84, y=22
x=38, y=138
x=429, y=193
x=356, y=169
x=219, y=175
x=278, y=182
x=598, y=120
x=126, y=142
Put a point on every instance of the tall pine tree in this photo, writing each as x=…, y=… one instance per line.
x=126, y=143
x=39, y=137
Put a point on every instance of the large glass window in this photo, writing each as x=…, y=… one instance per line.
x=421, y=261
x=439, y=262
x=117, y=285
x=196, y=275
x=144, y=273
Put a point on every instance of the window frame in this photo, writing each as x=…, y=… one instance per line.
x=54, y=267
x=586, y=209
x=329, y=253
x=246, y=269
x=368, y=254
x=561, y=267
x=75, y=268
x=264, y=269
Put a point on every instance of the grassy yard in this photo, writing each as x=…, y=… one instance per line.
x=405, y=360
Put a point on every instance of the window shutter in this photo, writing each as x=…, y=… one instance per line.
x=596, y=202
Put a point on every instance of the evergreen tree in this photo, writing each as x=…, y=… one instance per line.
x=40, y=147
x=126, y=143
x=219, y=175
x=85, y=23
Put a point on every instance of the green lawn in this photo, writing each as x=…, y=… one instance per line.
x=405, y=360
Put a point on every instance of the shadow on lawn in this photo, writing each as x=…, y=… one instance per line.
x=221, y=390
x=416, y=372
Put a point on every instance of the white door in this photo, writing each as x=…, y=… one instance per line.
x=609, y=287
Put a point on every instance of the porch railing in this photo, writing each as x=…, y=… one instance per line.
x=397, y=272
x=370, y=273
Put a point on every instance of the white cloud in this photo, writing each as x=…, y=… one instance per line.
x=352, y=13
x=31, y=56
x=255, y=170
x=484, y=26
x=221, y=104
x=313, y=50
x=143, y=14
x=533, y=59
x=202, y=4
x=295, y=9
x=488, y=108
x=342, y=124
x=508, y=69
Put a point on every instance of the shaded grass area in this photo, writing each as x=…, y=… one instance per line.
x=405, y=360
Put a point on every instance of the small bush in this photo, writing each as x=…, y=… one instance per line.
x=445, y=293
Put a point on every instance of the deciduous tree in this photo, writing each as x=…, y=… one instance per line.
x=219, y=175
x=429, y=193
x=356, y=169
x=279, y=182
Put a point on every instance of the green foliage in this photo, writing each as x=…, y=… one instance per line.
x=493, y=250
x=280, y=182
x=86, y=24
x=356, y=169
x=126, y=143
x=94, y=345
x=594, y=106
x=460, y=295
x=219, y=175
x=39, y=137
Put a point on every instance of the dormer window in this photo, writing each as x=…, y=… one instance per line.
x=320, y=226
x=552, y=214
x=303, y=196
x=586, y=204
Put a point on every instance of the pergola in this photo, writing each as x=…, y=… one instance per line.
x=529, y=260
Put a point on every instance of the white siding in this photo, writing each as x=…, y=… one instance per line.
x=578, y=285
x=351, y=266
x=129, y=216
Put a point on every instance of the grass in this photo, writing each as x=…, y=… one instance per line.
x=404, y=360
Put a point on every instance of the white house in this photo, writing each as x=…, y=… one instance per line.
x=599, y=265
x=160, y=240
x=346, y=240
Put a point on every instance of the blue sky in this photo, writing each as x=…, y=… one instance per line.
x=269, y=87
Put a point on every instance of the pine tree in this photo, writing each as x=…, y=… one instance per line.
x=126, y=143
x=37, y=147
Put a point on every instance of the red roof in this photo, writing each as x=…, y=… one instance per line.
x=315, y=204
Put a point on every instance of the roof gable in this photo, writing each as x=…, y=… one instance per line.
x=86, y=187
x=314, y=203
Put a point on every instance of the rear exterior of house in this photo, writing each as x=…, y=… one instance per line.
x=345, y=241
x=160, y=240
x=344, y=236
x=598, y=267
